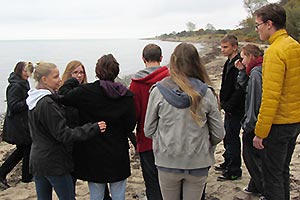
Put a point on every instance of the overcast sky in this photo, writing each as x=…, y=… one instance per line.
x=78, y=19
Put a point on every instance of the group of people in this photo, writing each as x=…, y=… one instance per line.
x=259, y=92
x=68, y=129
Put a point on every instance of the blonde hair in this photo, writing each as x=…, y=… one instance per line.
x=42, y=69
x=69, y=68
x=29, y=67
x=186, y=63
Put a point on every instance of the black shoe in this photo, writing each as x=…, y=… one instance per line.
x=229, y=177
x=220, y=168
x=27, y=180
x=248, y=191
x=3, y=183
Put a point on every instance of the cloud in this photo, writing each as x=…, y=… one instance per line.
x=34, y=19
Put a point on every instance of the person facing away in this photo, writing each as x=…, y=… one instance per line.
x=250, y=79
x=140, y=86
x=185, y=124
x=15, y=129
x=104, y=159
x=50, y=160
x=75, y=70
x=232, y=102
x=278, y=123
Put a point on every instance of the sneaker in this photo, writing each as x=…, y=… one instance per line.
x=228, y=177
x=3, y=183
x=247, y=191
x=262, y=198
x=220, y=167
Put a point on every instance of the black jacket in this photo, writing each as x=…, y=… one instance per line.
x=104, y=158
x=232, y=96
x=49, y=154
x=15, y=129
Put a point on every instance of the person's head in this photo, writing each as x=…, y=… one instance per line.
x=76, y=70
x=47, y=76
x=269, y=19
x=152, y=54
x=107, y=68
x=249, y=53
x=229, y=46
x=29, y=68
x=21, y=71
x=186, y=63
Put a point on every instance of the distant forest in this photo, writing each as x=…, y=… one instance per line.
x=246, y=30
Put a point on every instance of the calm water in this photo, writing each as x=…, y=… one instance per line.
x=126, y=51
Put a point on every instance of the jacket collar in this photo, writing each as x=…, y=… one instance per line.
x=280, y=32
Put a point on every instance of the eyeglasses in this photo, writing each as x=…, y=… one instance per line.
x=257, y=25
x=78, y=73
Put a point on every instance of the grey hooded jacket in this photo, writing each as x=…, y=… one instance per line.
x=178, y=141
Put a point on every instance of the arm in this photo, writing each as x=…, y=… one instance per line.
x=151, y=119
x=68, y=85
x=214, y=120
x=16, y=101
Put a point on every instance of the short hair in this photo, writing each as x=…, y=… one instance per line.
x=152, y=53
x=273, y=12
x=70, y=67
x=251, y=49
x=107, y=68
x=20, y=66
x=231, y=39
x=43, y=69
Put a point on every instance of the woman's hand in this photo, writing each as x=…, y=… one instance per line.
x=102, y=126
x=238, y=64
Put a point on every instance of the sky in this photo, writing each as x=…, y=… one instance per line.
x=106, y=19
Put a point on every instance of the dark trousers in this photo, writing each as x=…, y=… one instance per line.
x=277, y=155
x=150, y=175
x=232, y=144
x=252, y=159
x=21, y=152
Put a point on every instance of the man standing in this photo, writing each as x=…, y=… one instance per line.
x=140, y=85
x=232, y=100
x=278, y=124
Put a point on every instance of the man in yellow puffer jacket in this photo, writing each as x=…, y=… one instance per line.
x=278, y=122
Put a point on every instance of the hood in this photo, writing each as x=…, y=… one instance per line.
x=151, y=75
x=14, y=78
x=34, y=95
x=113, y=90
x=176, y=97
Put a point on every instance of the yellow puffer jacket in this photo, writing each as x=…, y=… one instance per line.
x=281, y=84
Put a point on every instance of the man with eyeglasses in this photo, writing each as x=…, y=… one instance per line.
x=278, y=124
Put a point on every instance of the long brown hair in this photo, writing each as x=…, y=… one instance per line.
x=70, y=68
x=186, y=63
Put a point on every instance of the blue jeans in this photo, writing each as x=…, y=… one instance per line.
x=277, y=155
x=117, y=190
x=150, y=175
x=63, y=187
x=232, y=144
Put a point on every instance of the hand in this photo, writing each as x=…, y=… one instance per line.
x=258, y=142
x=238, y=64
x=102, y=126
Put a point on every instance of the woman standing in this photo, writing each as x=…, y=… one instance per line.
x=50, y=160
x=15, y=130
x=104, y=159
x=185, y=124
x=250, y=79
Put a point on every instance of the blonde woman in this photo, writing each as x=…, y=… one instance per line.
x=50, y=160
x=185, y=125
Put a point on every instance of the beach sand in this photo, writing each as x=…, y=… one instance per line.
x=216, y=190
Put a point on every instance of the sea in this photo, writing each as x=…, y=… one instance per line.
x=128, y=52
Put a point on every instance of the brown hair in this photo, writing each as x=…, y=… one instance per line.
x=20, y=66
x=107, y=68
x=273, y=12
x=253, y=50
x=69, y=68
x=152, y=53
x=231, y=39
x=185, y=62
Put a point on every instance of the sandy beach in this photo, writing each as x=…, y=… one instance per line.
x=216, y=190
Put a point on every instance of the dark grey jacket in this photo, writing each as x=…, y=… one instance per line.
x=253, y=88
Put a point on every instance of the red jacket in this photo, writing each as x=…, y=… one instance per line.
x=140, y=88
